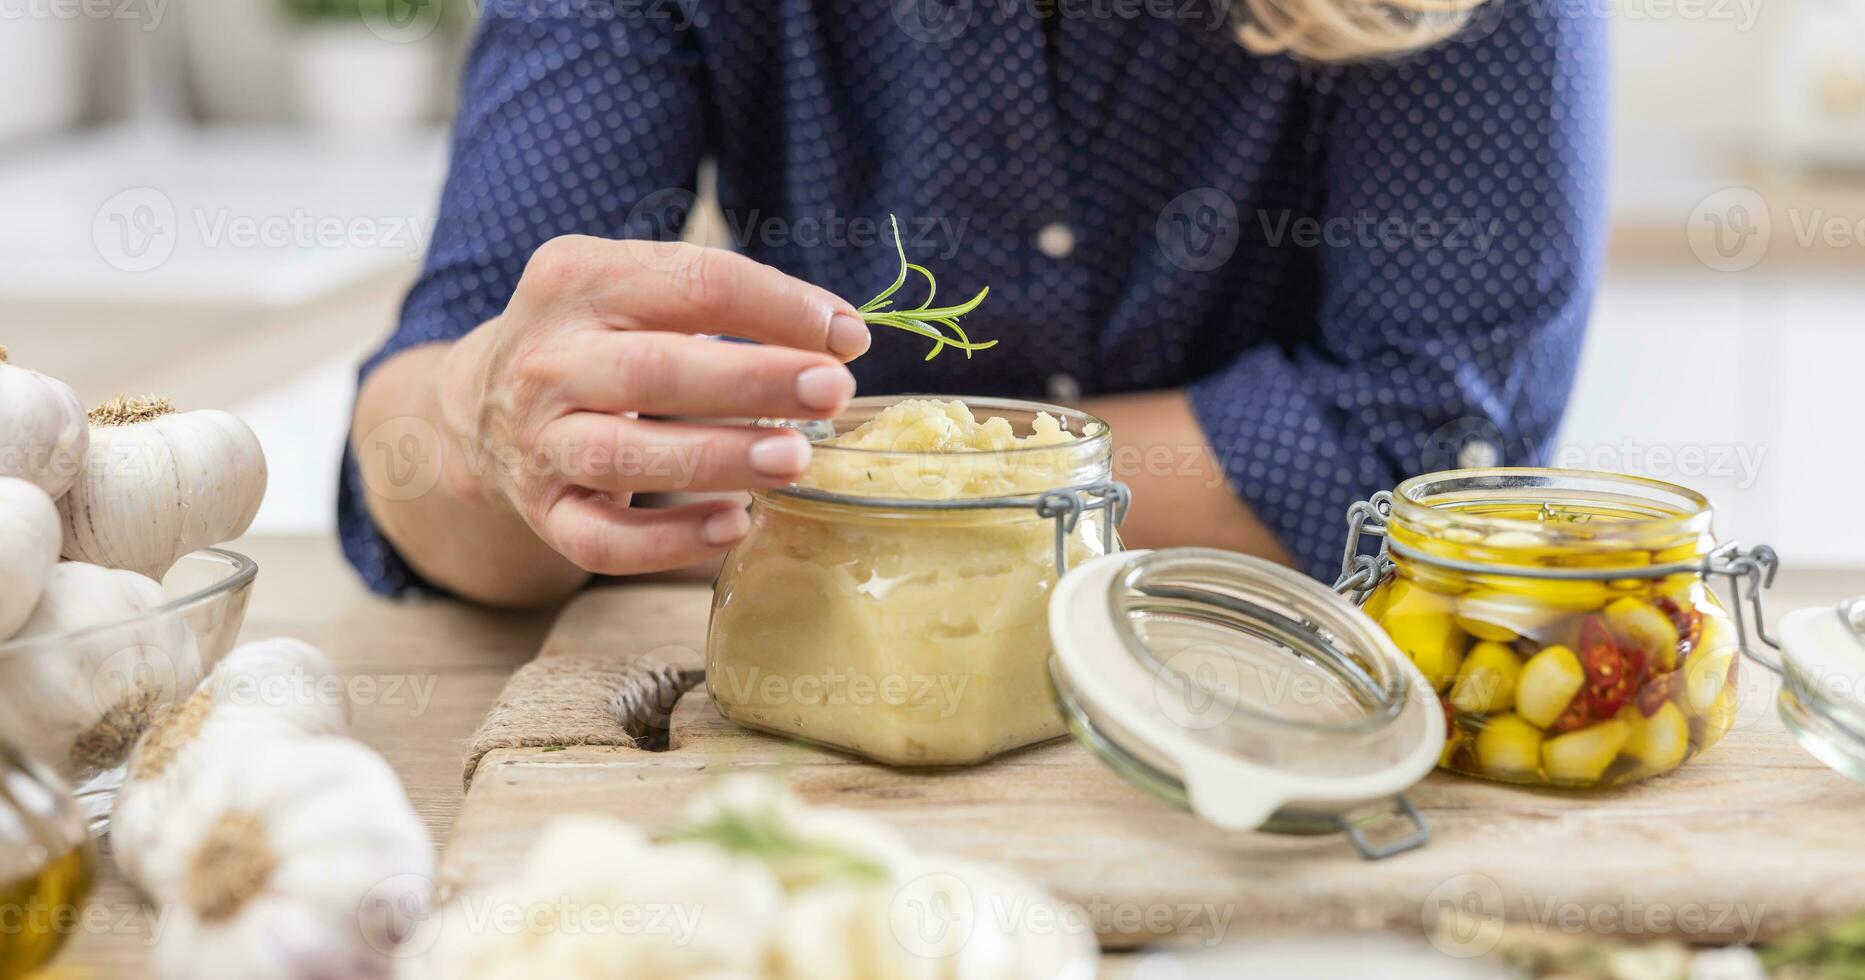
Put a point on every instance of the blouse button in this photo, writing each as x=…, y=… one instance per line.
x=1056, y=240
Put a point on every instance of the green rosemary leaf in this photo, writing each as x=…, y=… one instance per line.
x=925, y=319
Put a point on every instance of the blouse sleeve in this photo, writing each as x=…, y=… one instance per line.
x=1458, y=242
x=574, y=118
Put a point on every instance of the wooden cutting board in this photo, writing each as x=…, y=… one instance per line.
x=1752, y=838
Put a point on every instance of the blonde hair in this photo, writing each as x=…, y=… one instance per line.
x=1349, y=30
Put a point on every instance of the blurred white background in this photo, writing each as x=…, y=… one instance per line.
x=223, y=199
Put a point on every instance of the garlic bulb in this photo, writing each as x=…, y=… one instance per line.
x=753, y=883
x=287, y=859
x=93, y=668
x=597, y=899
x=28, y=550
x=946, y=919
x=278, y=688
x=159, y=484
x=43, y=435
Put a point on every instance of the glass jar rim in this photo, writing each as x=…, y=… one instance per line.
x=1386, y=688
x=241, y=570
x=1086, y=460
x=1101, y=433
x=1420, y=501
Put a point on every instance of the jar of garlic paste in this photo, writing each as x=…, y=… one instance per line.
x=894, y=602
x=1562, y=616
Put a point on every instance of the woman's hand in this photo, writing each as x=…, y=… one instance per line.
x=540, y=412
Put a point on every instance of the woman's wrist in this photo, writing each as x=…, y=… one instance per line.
x=456, y=391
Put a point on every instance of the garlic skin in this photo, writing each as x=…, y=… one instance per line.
x=160, y=484
x=29, y=541
x=79, y=700
x=280, y=688
x=43, y=431
x=288, y=859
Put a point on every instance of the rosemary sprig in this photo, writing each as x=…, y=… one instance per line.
x=925, y=319
x=765, y=836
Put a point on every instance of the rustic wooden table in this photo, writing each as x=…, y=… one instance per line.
x=423, y=675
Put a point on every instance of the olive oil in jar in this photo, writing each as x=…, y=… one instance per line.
x=39, y=912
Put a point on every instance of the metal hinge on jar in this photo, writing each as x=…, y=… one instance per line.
x=1748, y=572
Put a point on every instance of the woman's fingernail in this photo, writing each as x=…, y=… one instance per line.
x=780, y=455
x=825, y=389
x=848, y=336
x=725, y=527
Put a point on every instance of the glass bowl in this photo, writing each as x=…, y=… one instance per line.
x=80, y=703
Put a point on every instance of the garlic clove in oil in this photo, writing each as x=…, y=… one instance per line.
x=160, y=484
x=93, y=668
x=279, y=688
x=288, y=859
x=43, y=431
x=29, y=541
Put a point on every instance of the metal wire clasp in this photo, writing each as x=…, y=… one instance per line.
x=1358, y=572
x=1065, y=507
x=1748, y=572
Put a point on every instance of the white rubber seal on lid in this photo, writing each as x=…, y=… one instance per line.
x=1261, y=690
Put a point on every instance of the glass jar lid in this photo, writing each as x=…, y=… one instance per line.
x=1822, y=668
x=1245, y=692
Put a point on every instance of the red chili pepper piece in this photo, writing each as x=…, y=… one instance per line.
x=1577, y=715
x=1689, y=625
x=1612, y=675
x=1658, y=690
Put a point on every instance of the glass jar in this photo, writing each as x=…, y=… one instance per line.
x=1562, y=616
x=894, y=604
x=46, y=864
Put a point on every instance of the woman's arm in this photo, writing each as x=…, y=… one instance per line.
x=1458, y=242
x=1180, y=494
x=499, y=435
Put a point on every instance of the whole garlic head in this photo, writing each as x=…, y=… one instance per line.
x=93, y=669
x=597, y=899
x=28, y=550
x=288, y=859
x=43, y=433
x=160, y=484
x=280, y=688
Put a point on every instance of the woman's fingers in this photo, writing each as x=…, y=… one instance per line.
x=617, y=454
x=601, y=536
x=639, y=285
x=656, y=373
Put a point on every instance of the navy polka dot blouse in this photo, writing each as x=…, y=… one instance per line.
x=1358, y=272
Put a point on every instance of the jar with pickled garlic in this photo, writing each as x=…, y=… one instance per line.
x=893, y=602
x=1563, y=617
